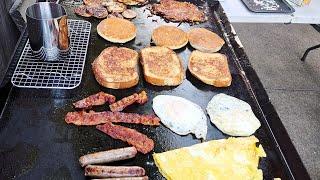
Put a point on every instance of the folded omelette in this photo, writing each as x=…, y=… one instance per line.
x=232, y=158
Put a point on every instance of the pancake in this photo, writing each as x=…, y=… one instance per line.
x=205, y=40
x=170, y=37
x=117, y=30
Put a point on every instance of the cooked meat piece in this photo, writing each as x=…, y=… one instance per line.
x=63, y=34
x=92, y=2
x=107, y=2
x=131, y=136
x=116, y=7
x=114, y=171
x=94, y=118
x=115, y=15
x=125, y=178
x=140, y=98
x=95, y=100
x=133, y=2
x=108, y=156
x=129, y=14
x=178, y=11
x=97, y=11
x=82, y=11
x=121, y=104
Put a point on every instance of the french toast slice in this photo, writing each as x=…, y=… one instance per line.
x=116, y=68
x=210, y=68
x=161, y=66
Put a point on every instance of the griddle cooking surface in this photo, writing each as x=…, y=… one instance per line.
x=36, y=143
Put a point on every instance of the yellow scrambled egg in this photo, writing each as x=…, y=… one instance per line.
x=232, y=158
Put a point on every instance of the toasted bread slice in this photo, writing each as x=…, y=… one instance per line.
x=161, y=66
x=205, y=40
x=210, y=68
x=170, y=37
x=117, y=30
x=116, y=68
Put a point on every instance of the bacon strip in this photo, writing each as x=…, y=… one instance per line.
x=140, y=141
x=95, y=100
x=83, y=118
x=140, y=98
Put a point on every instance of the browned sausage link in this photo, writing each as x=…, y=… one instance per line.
x=125, y=178
x=108, y=156
x=114, y=171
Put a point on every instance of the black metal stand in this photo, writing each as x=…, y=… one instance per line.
x=308, y=50
x=317, y=27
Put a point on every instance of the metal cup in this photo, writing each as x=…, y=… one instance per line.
x=48, y=31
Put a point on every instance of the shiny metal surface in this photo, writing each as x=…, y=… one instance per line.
x=48, y=31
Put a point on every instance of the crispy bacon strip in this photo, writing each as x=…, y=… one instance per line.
x=95, y=100
x=83, y=118
x=140, y=141
x=140, y=98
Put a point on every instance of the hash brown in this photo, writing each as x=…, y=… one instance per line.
x=177, y=11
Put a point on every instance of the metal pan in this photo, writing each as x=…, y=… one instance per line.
x=269, y=6
x=36, y=143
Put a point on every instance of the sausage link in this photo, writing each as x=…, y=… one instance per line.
x=108, y=156
x=114, y=171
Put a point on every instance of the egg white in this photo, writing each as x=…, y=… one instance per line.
x=181, y=115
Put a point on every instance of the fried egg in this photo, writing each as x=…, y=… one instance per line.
x=224, y=159
x=181, y=115
x=232, y=116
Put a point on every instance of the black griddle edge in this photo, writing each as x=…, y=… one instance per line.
x=277, y=131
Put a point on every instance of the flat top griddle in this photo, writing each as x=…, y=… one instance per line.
x=36, y=143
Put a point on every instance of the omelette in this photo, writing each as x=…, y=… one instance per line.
x=232, y=158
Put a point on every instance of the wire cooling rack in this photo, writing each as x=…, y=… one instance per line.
x=63, y=74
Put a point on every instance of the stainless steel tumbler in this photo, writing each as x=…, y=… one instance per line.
x=48, y=31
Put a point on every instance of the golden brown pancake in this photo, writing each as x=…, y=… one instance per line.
x=205, y=40
x=170, y=37
x=117, y=30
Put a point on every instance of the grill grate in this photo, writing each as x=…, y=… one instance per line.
x=64, y=74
